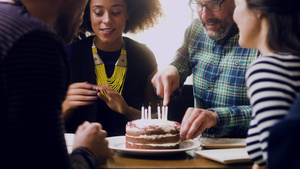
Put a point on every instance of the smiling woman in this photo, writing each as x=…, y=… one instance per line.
x=272, y=27
x=111, y=74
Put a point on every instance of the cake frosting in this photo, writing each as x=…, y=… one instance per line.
x=152, y=134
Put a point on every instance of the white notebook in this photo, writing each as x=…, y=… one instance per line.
x=226, y=156
x=210, y=143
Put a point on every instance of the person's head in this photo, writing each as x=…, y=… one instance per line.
x=273, y=23
x=64, y=16
x=215, y=15
x=70, y=18
x=109, y=19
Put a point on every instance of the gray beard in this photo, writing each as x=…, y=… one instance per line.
x=222, y=33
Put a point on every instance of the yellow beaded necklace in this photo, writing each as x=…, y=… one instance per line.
x=116, y=81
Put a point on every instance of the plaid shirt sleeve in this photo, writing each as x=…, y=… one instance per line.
x=181, y=60
x=232, y=122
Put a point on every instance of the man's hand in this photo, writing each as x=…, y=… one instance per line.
x=195, y=121
x=166, y=82
x=256, y=166
x=91, y=136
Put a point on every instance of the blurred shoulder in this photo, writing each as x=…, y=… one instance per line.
x=85, y=41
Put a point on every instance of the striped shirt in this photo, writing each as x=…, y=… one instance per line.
x=219, y=84
x=273, y=84
x=33, y=84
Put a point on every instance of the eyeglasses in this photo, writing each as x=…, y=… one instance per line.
x=211, y=6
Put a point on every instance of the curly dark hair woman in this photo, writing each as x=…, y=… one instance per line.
x=144, y=14
x=110, y=73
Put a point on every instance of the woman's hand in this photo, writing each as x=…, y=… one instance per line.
x=114, y=100
x=79, y=94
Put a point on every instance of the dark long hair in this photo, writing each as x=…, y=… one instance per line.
x=284, y=23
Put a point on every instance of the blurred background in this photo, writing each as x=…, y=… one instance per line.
x=164, y=40
x=167, y=36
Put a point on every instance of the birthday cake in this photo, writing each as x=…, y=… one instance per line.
x=152, y=134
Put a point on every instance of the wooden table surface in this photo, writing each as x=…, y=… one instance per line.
x=187, y=159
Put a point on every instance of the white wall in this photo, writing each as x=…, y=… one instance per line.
x=168, y=35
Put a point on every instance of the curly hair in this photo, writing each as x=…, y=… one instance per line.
x=144, y=14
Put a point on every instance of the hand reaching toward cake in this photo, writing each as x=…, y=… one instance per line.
x=195, y=121
x=166, y=82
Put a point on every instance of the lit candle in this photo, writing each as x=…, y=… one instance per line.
x=158, y=111
x=149, y=111
x=146, y=114
x=143, y=112
x=166, y=112
x=163, y=113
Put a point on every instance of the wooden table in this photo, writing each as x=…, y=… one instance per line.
x=187, y=159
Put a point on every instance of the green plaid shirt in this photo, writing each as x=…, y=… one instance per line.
x=218, y=69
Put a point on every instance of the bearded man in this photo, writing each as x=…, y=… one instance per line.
x=211, y=53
